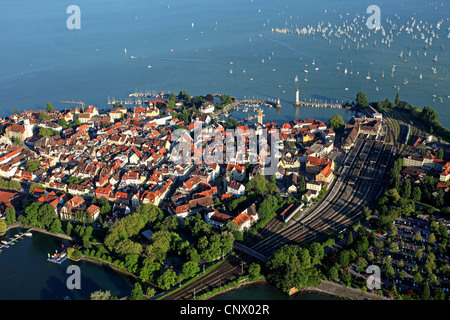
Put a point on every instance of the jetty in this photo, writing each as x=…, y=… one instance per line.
x=12, y=240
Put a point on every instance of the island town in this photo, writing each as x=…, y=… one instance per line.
x=113, y=181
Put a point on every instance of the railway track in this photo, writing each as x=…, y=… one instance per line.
x=340, y=219
x=339, y=209
x=341, y=197
x=214, y=279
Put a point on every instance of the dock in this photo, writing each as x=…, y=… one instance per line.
x=58, y=257
x=12, y=240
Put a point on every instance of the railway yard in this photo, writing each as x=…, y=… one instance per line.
x=361, y=180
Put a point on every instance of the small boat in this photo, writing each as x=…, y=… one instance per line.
x=28, y=234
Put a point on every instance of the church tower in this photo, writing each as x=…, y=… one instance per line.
x=28, y=127
x=260, y=117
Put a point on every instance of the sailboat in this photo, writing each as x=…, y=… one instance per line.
x=368, y=76
x=125, y=50
x=435, y=59
x=420, y=76
x=306, y=78
x=401, y=54
x=231, y=71
x=296, y=78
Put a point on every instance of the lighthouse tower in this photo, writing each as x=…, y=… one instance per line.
x=297, y=98
x=278, y=103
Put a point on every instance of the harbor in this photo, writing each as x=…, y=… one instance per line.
x=5, y=244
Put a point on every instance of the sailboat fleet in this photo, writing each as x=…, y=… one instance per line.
x=353, y=32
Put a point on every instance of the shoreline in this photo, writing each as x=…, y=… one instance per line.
x=326, y=287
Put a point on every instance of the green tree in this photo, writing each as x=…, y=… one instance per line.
x=32, y=165
x=254, y=270
x=49, y=107
x=16, y=111
x=361, y=100
x=231, y=123
x=407, y=189
x=416, y=194
x=149, y=270
x=167, y=279
x=2, y=226
x=137, y=293
x=429, y=116
x=101, y=295
x=397, y=99
x=190, y=269
x=10, y=215
x=336, y=123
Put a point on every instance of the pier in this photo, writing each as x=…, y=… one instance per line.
x=13, y=240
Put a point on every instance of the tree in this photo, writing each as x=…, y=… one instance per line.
x=167, y=279
x=361, y=100
x=416, y=194
x=254, y=270
x=17, y=140
x=429, y=116
x=258, y=184
x=231, y=123
x=137, y=293
x=397, y=99
x=317, y=253
x=226, y=99
x=49, y=107
x=336, y=123
x=407, y=189
x=62, y=123
x=149, y=270
x=2, y=226
x=440, y=154
x=43, y=116
x=349, y=239
x=16, y=111
x=426, y=295
x=101, y=295
x=151, y=212
x=190, y=269
x=33, y=165
x=272, y=184
x=10, y=215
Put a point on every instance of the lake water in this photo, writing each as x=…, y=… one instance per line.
x=25, y=273
x=267, y=292
x=192, y=45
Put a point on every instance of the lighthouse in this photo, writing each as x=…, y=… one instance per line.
x=297, y=98
x=278, y=103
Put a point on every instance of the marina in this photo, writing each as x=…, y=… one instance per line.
x=12, y=240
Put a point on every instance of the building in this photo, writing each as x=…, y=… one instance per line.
x=217, y=219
